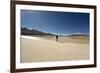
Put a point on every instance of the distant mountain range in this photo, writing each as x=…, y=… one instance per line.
x=26, y=31
x=78, y=34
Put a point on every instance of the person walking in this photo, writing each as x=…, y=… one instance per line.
x=56, y=38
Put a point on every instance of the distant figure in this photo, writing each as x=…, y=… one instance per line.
x=56, y=38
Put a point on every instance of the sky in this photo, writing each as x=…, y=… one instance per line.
x=59, y=23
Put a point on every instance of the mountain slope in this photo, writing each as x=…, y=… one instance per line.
x=26, y=31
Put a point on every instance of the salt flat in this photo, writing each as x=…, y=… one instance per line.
x=43, y=49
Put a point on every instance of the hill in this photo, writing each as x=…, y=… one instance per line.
x=78, y=35
x=26, y=31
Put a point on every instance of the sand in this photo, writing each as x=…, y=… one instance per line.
x=45, y=49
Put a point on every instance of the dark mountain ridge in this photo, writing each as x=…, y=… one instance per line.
x=26, y=31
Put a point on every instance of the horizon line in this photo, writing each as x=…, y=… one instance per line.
x=55, y=33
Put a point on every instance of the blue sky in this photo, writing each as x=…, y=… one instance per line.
x=59, y=23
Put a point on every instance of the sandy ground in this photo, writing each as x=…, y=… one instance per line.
x=38, y=49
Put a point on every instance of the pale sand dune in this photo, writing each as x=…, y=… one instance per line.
x=37, y=49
